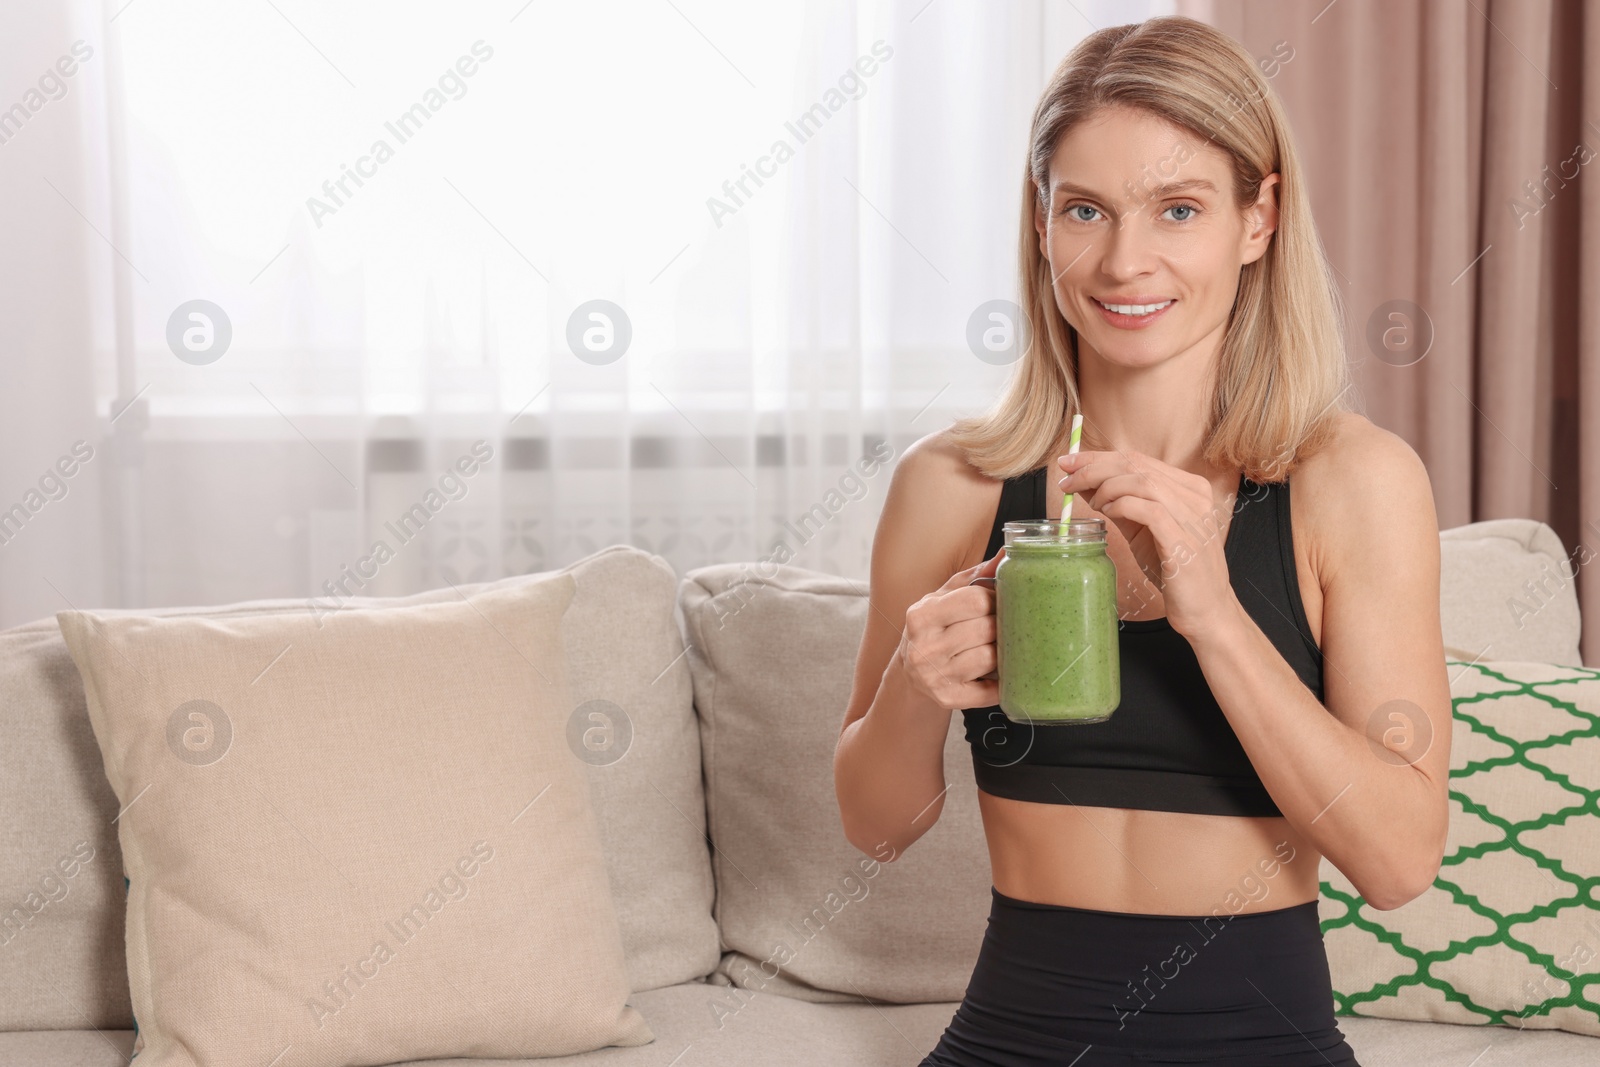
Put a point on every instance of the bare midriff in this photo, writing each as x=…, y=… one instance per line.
x=1147, y=862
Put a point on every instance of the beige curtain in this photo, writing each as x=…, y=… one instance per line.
x=1448, y=145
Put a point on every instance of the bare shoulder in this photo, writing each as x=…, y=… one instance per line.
x=1366, y=491
x=936, y=494
x=936, y=455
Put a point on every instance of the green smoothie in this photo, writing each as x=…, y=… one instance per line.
x=1056, y=612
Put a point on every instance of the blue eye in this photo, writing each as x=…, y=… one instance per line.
x=1183, y=207
x=1072, y=209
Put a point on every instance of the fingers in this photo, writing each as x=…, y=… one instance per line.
x=957, y=599
x=1164, y=518
x=979, y=694
x=967, y=634
x=1182, y=505
x=973, y=664
x=965, y=602
x=949, y=639
x=1095, y=469
x=962, y=685
x=957, y=682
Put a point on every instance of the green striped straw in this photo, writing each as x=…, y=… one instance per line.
x=1072, y=450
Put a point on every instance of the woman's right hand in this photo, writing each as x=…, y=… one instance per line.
x=947, y=647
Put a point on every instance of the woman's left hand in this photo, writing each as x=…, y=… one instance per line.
x=1172, y=525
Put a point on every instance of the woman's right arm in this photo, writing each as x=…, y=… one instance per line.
x=929, y=639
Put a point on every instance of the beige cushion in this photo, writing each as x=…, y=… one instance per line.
x=1511, y=920
x=61, y=915
x=363, y=838
x=65, y=968
x=803, y=912
x=1507, y=593
x=632, y=706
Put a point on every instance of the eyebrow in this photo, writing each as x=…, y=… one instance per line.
x=1164, y=189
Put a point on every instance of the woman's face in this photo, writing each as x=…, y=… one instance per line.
x=1141, y=216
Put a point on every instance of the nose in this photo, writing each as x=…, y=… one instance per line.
x=1129, y=249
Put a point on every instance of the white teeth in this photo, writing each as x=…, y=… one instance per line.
x=1133, y=309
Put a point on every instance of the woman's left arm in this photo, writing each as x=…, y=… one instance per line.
x=1363, y=774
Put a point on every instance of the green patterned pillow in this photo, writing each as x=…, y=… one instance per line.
x=1509, y=933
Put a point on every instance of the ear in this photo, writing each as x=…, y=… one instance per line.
x=1261, y=220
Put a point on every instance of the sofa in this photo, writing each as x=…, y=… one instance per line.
x=706, y=708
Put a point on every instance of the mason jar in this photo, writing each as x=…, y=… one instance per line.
x=1056, y=622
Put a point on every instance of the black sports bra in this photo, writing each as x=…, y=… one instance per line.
x=1168, y=746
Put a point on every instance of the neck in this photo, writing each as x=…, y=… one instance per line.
x=1158, y=409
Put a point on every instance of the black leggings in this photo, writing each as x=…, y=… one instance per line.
x=1071, y=986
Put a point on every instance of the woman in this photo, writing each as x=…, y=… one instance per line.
x=1284, y=695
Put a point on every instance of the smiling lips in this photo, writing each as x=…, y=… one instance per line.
x=1134, y=313
x=1141, y=306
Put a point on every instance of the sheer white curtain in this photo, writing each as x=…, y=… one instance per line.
x=400, y=221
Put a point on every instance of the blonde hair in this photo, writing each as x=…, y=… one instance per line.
x=1281, y=371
